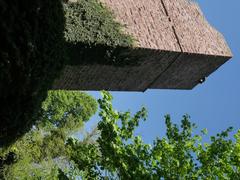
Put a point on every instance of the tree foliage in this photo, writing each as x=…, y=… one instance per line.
x=179, y=155
x=42, y=152
x=113, y=151
x=32, y=53
x=66, y=109
x=38, y=38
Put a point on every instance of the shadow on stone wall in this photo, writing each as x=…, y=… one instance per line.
x=90, y=54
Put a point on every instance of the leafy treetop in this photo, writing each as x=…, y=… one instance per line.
x=113, y=151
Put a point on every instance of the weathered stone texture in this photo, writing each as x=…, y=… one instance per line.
x=146, y=21
x=203, y=48
x=193, y=31
x=176, y=47
x=187, y=71
x=122, y=78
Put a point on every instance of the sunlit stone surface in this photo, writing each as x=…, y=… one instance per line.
x=176, y=48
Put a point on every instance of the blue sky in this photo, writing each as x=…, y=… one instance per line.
x=214, y=105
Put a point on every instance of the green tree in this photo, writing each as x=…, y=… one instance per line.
x=42, y=152
x=119, y=154
x=113, y=151
x=66, y=109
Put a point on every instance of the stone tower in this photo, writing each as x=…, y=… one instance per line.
x=176, y=48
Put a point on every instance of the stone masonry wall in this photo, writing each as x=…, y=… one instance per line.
x=176, y=47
